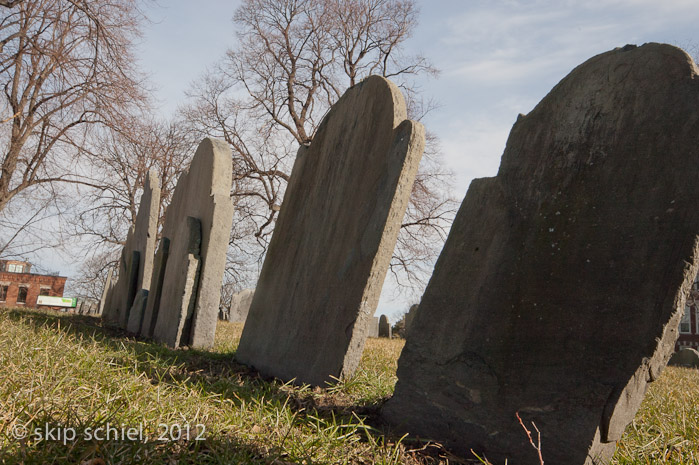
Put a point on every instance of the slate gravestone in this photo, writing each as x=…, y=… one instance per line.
x=685, y=357
x=136, y=312
x=334, y=237
x=136, y=263
x=560, y=288
x=384, y=327
x=150, y=314
x=202, y=193
x=123, y=289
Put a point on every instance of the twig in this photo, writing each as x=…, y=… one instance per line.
x=531, y=441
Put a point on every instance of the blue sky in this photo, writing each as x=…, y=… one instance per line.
x=498, y=59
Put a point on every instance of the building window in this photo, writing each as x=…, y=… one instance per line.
x=3, y=292
x=12, y=268
x=44, y=291
x=686, y=322
x=22, y=295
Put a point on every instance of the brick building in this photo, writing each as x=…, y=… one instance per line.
x=20, y=288
x=689, y=325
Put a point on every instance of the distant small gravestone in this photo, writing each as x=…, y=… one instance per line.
x=409, y=318
x=374, y=327
x=240, y=305
x=384, y=327
x=685, y=357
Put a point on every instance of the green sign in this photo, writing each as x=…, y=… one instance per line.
x=70, y=302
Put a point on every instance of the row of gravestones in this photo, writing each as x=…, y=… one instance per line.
x=559, y=290
x=172, y=295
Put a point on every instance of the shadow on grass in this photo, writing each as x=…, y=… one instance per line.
x=213, y=373
x=217, y=372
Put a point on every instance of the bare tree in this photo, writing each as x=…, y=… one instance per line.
x=293, y=60
x=119, y=166
x=65, y=66
x=92, y=276
x=9, y=3
x=21, y=231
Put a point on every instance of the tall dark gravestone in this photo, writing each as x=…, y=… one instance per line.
x=560, y=288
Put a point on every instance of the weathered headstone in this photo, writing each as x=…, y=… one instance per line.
x=179, y=291
x=334, y=237
x=685, y=357
x=409, y=318
x=124, y=286
x=240, y=305
x=105, y=291
x=384, y=327
x=559, y=291
x=150, y=315
x=374, y=327
x=136, y=312
x=136, y=263
x=202, y=193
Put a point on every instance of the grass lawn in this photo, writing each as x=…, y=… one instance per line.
x=79, y=378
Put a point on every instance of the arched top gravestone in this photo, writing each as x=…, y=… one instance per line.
x=685, y=357
x=384, y=327
x=559, y=291
x=334, y=237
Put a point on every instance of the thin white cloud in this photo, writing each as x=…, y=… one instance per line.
x=500, y=42
x=472, y=147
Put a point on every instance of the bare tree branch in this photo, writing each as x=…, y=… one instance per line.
x=66, y=66
x=268, y=95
